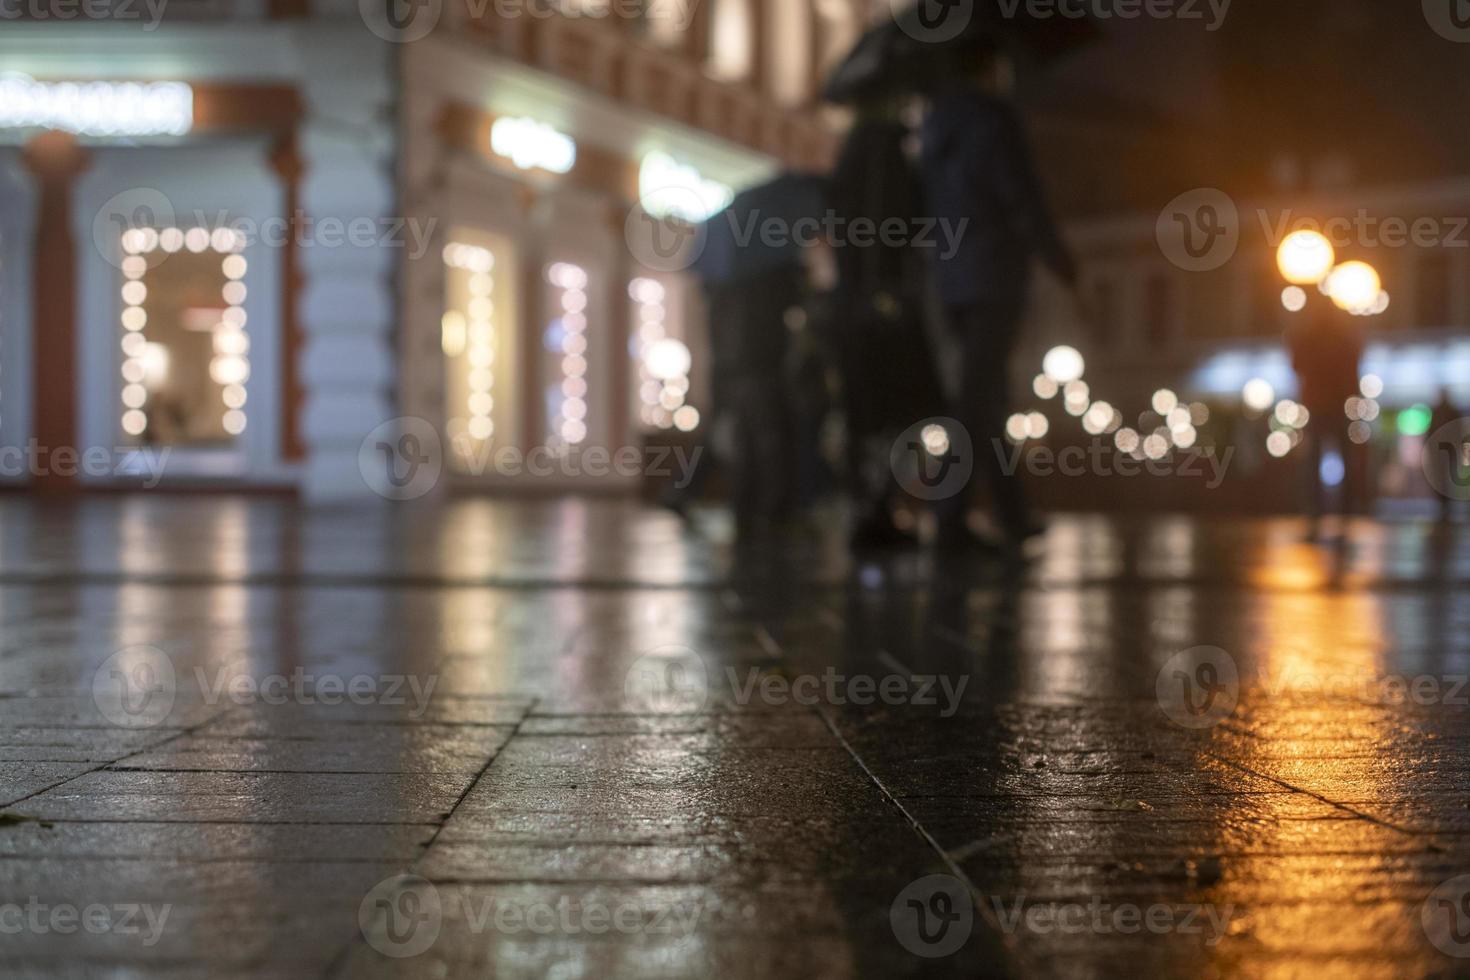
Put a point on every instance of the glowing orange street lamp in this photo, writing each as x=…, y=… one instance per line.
x=1355, y=287
x=1305, y=258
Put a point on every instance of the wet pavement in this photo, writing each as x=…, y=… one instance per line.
x=577, y=739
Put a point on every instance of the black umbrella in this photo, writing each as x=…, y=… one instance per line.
x=912, y=48
x=931, y=24
x=755, y=233
x=877, y=64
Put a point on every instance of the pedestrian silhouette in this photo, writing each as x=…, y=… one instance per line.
x=977, y=169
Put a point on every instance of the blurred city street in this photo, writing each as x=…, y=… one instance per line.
x=230, y=726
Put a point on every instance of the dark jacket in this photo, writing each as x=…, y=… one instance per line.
x=874, y=182
x=977, y=165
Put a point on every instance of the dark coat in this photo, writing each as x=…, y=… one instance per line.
x=977, y=166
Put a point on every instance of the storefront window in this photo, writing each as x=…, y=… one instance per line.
x=566, y=342
x=662, y=359
x=478, y=339
x=185, y=350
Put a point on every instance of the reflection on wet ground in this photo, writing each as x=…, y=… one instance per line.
x=597, y=742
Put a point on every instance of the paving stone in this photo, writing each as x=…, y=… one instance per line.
x=193, y=797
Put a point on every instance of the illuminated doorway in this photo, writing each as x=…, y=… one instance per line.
x=180, y=309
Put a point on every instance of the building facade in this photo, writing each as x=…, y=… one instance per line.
x=236, y=238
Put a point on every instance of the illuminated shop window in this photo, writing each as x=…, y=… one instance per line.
x=663, y=361
x=789, y=41
x=185, y=351
x=475, y=334
x=565, y=339
x=732, y=40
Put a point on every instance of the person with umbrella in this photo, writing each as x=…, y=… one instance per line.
x=887, y=368
x=977, y=168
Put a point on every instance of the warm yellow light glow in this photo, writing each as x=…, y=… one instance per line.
x=1354, y=286
x=1305, y=257
x=1063, y=364
x=1258, y=394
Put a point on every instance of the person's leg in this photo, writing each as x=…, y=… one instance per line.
x=1012, y=514
x=951, y=512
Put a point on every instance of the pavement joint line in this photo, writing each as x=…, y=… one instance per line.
x=177, y=734
x=988, y=914
x=1358, y=814
x=338, y=963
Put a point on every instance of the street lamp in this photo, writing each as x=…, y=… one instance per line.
x=1305, y=257
x=1355, y=287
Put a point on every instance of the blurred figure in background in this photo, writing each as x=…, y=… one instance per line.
x=750, y=351
x=1326, y=346
x=977, y=168
x=888, y=376
x=1451, y=457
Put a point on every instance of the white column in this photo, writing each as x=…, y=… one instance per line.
x=345, y=308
